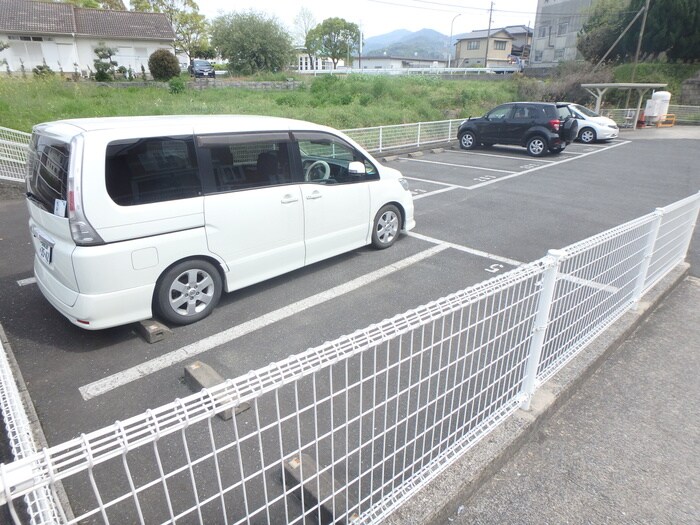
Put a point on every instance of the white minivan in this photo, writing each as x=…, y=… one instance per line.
x=136, y=216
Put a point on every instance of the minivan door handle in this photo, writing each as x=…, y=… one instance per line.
x=315, y=195
x=288, y=199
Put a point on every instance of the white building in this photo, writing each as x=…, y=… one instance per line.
x=64, y=36
x=557, y=25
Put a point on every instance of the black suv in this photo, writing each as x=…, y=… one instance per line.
x=534, y=125
x=201, y=68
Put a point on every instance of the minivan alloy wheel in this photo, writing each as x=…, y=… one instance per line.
x=387, y=224
x=188, y=292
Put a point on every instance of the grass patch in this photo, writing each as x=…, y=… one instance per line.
x=343, y=102
x=658, y=73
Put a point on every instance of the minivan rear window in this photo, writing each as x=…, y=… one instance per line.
x=154, y=169
x=47, y=171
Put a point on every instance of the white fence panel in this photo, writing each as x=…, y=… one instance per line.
x=348, y=431
x=13, y=153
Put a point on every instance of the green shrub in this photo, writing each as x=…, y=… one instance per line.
x=43, y=71
x=163, y=65
x=176, y=85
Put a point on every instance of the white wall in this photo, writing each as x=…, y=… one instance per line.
x=68, y=54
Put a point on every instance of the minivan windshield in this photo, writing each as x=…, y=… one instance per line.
x=47, y=171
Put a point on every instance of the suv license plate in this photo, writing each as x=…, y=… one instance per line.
x=45, y=251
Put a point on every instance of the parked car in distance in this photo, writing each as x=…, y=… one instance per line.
x=201, y=68
x=533, y=125
x=591, y=126
x=136, y=216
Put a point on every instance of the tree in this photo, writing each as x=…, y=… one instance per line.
x=115, y=5
x=334, y=38
x=251, y=42
x=163, y=65
x=188, y=24
x=104, y=65
x=608, y=18
x=303, y=24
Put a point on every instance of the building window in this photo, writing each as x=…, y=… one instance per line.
x=499, y=45
x=563, y=27
x=538, y=56
x=473, y=44
x=25, y=38
x=542, y=32
x=558, y=54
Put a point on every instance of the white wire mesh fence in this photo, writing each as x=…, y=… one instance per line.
x=348, y=431
x=13, y=153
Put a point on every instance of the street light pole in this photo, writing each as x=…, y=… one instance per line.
x=449, y=54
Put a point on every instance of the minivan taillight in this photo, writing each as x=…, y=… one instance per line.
x=80, y=229
x=554, y=124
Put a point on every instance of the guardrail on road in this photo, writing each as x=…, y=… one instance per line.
x=348, y=431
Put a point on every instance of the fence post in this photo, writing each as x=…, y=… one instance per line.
x=381, y=128
x=648, y=252
x=449, y=132
x=418, y=142
x=544, y=304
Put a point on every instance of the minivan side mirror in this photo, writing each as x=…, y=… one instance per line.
x=356, y=168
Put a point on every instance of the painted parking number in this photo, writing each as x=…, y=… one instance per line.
x=485, y=178
x=494, y=268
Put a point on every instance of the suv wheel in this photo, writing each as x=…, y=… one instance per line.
x=467, y=140
x=587, y=135
x=537, y=146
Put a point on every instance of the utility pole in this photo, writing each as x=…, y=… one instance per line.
x=639, y=42
x=488, y=37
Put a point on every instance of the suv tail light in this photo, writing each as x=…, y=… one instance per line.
x=554, y=124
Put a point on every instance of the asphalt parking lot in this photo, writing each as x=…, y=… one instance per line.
x=478, y=213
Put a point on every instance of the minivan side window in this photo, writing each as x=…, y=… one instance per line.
x=240, y=162
x=153, y=169
x=325, y=160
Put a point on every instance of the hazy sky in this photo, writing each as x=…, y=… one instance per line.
x=376, y=17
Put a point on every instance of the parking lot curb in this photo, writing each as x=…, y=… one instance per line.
x=441, y=498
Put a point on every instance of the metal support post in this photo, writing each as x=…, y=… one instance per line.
x=380, y=138
x=539, y=329
x=418, y=142
x=648, y=252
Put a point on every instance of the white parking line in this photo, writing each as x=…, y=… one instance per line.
x=525, y=172
x=470, y=153
x=436, y=182
x=430, y=193
x=465, y=249
x=113, y=381
x=456, y=165
x=25, y=282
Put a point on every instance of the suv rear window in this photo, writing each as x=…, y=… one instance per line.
x=152, y=170
x=47, y=171
x=550, y=111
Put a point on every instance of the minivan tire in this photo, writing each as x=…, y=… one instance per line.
x=386, y=227
x=188, y=292
x=537, y=146
x=467, y=140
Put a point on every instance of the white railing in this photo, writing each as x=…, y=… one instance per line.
x=13, y=153
x=381, y=139
x=684, y=115
x=348, y=431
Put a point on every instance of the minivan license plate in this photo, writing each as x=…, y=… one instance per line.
x=45, y=251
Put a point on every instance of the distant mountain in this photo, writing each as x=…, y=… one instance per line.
x=425, y=43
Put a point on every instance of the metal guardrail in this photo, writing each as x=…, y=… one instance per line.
x=683, y=115
x=348, y=431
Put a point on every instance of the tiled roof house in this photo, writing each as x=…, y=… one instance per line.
x=65, y=36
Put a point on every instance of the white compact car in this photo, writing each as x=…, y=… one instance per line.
x=132, y=216
x=591, y=127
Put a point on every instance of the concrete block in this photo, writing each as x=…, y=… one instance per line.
x=437, y=150
x=152, y=331
x=318, y=489
x=415, y=154
x=200, y=375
